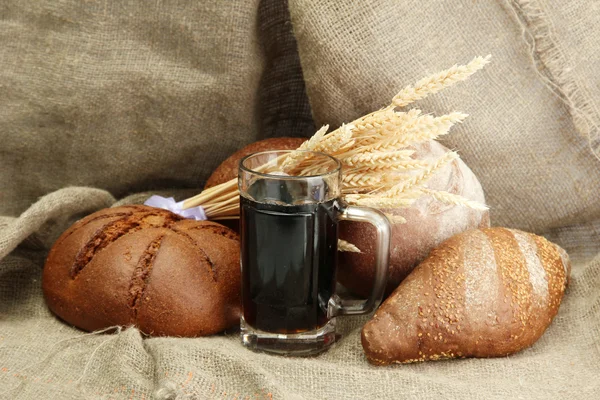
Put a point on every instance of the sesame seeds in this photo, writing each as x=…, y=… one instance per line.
x=463, y=307
x=514, y=274
x=537, y=273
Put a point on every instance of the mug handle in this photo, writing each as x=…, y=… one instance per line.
x=338, y=306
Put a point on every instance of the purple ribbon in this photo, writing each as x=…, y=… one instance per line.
x=168, y=203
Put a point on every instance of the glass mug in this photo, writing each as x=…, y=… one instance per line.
x=289, y=234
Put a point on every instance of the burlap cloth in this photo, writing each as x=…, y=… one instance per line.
x=130, y=96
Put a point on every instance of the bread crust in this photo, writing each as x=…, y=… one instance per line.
x=148, y=267
x=428, y=223
x=228, y=169
x=483, y=293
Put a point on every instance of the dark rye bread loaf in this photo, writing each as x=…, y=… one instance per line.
x=148, y=267
x=228, y=169
x=482, y=293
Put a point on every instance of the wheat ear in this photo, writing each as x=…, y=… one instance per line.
x=292, y=159
x=455, y=199
x=360, y=179
x=395, y=219
x=375, y=157
x=430, y=128
x=387, y=126
x=423, y=177
x=421, y=129
x=337, y=140
x=436, y=82
x=383, y=167
x=347, y=247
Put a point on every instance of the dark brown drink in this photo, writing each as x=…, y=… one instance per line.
x=289, y=257
x=290, y=207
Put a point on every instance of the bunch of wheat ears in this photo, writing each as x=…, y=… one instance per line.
x=378, y=166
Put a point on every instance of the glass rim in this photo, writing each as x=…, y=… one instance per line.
x=336, y=170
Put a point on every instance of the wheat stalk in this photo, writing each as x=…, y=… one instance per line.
x=349, y=189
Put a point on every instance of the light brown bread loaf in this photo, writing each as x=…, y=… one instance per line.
x=228, y=169
x=482, y=293
x=143, y=266
x=428, y=223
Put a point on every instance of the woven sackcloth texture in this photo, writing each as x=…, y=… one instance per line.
x=99, y=100
x=123, y=95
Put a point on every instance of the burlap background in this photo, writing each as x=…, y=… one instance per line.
x=123, y=95
x=130, y=95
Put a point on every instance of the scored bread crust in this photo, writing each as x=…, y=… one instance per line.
x=482, y=293
x=148, y=267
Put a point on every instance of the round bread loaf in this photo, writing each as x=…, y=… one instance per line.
x=428, y=223
x=228, y=169
x=148, y=267
x=482, y=293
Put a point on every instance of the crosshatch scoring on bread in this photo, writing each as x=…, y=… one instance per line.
x=148, y=267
